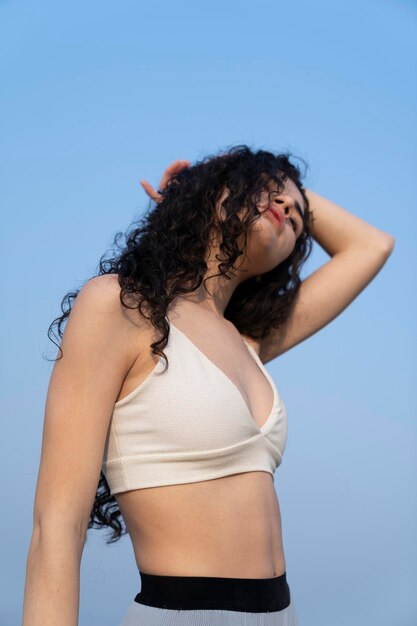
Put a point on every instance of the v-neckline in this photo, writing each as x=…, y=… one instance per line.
x=261, y=366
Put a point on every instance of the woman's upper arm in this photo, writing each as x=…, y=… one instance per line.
x=323, y=295
x=99, y=346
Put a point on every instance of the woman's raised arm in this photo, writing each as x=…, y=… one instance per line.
x=358, y=252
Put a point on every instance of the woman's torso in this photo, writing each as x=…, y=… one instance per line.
x=228, y=526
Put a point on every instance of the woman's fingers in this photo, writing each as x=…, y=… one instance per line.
x=152, y=193
x=173, y=168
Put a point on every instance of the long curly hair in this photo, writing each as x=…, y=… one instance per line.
x=164, y=254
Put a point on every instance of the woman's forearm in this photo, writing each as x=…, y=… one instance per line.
x=336, y=229
x=52, y=586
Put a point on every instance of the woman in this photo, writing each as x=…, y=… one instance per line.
x=161, y=396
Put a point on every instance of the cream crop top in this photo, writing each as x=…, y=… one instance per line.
x=189, y=424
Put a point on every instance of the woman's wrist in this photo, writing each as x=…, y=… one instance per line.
x=336, y=229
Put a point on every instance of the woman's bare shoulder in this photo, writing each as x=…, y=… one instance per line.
x=99, y=301
x=104, y=291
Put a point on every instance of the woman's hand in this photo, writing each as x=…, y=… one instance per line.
x=174, y=168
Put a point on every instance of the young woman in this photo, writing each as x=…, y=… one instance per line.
x=161, y=397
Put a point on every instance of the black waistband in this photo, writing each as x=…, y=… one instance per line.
x=253, y=595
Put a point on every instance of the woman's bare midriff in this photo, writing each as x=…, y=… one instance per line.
x=226, y=527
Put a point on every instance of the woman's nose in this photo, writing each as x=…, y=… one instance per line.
x=285, y=202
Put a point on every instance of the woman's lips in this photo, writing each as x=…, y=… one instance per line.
x=277, y=217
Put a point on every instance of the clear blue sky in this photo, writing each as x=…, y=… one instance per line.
x=95, y=96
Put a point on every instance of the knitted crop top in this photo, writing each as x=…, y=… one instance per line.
x=189, y=424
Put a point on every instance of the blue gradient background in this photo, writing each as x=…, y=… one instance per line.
x=96, y=96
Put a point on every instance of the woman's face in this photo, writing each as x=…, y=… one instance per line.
x=271, y=240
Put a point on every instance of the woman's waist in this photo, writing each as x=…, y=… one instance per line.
x=234, y=559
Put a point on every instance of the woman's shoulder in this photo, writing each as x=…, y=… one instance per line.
x=104, y=291
x=99, y=298
x=104, y=288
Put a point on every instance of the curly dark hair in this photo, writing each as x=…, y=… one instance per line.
x=164, y=254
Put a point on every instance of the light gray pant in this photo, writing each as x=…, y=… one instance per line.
x=144, y=615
